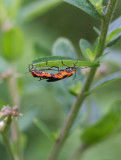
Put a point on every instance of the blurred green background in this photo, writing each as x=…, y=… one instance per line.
x=50, y=102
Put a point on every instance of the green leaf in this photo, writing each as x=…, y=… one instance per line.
x=74, y=89
x=44, y=129
x=100, y=2
x=86, y=6
x=104, y=126
x=95, y=47
x=63, y=47
x=51, y=61
x=116, y=24
x=12, y=43
x=96, y=30
x=84, y=45
x=100, y=8
x=113, y=35
x=105, y=81
x=90, y=54
x=96, y=3
x=113, y=42
x=37, y=8
x=92, y=2
x=55, y=135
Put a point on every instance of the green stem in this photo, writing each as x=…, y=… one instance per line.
x=79, y=152
x=7, y=145
x=6, y=139
x=15, y=134
x=81, y=97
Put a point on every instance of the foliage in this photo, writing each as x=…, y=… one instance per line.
x=103, y=127
x=28, y=32
x=57, y=61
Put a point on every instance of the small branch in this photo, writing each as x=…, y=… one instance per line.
x=6, y=139
x=7, y=145
x=13, y=89
x=79, y=152
x=81, y=97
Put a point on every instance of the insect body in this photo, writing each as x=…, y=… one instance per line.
x=40, y=74
x=69, y=71
x=62, y=74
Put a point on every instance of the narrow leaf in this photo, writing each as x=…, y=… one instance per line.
x=51, y=61
x=74, y=89
x=86, y=6
x=84, y=44
x=114, y=41
x=104, y=126
x=97, y=4
x=90, y=54
x=44, y=129
x=96, y=30
x=116, y=24
x=113, y=35
x=105, y=81
x=100, y=2
x=92, y=2
x=100, y=8
x=95, y=47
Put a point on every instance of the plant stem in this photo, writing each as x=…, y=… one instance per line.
x=7, y=145
x=81, y=97
x=13, y=89
x=79, y=152
x=6, y=139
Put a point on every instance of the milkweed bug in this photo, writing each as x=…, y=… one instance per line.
x=39, y=73
x=62, y=74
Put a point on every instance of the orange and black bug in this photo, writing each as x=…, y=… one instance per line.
x=39, y=73
x=62, y=74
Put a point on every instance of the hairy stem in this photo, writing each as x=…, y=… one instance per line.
x=81, y=97
x=7, y=145
x=79, y=152
x=13, y=89
x=6, y=139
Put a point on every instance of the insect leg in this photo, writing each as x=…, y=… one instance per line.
x=75, y=64
x=32, y=66
x=64, y=64
x=54, y=67
x=40, y=79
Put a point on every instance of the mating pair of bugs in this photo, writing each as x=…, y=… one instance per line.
x=61, y=74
